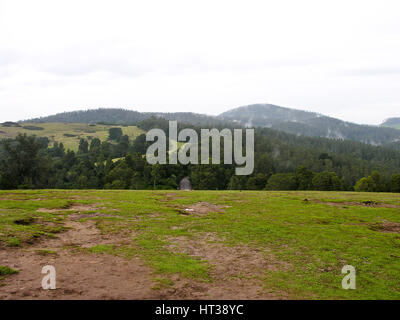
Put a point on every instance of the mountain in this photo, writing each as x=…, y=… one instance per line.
x=309, y=124
x=392, y=123
x=298, y=122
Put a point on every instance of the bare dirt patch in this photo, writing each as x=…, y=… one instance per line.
x=80, y=275
x=372, y=204
x=74, y=207
x=90, y=215
x=204, y=208
x=84, y=234
x=237, y=271
x=386, y=227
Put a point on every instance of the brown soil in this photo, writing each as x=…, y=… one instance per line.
x=237, y=272
x=90, y=215
x=387, y=227
x=363, y=204
x=80, y=275
x=75, y=207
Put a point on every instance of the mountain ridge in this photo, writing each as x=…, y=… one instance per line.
x=294, y=121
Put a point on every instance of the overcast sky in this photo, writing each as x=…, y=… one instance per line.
x=339, y=58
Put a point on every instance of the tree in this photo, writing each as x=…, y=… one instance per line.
x=235, y=183
x=156, y=174
x=95, y=145
x=257, y=182
x=395, y=183
x=22, y=165
x=373, y=183
x=379, y=181
x=365, y=185
x=139, y=145
x=282, y=181
x=83, y=147
x=304, y=178
x=326, y=181
x=114, y=133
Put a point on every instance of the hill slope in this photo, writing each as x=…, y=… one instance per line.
x=67, y=133
x=122, y=116
x=309, y=124
x=392, y=123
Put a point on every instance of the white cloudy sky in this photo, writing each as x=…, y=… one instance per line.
x=340, y=58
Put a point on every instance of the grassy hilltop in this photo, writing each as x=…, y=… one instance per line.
x=200, y=244
x=67, y=133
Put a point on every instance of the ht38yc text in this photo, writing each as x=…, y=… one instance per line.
x=206, y=309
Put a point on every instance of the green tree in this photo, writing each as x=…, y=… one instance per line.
x=365, y=185
x=304, y=178
x=395, y=183
x=282, y=181
x=22, y=165
x=257, y=182
x=139, y=145
x=83, y=147
x=326, y=181
x=114, y=134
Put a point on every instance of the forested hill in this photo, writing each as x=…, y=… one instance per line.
x=309, y=124
x=282, y=162
x=126, y=117
x=392, y=123
x=298, y=122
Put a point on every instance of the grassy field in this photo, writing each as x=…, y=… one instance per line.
x=67, y=133
x=290, y=245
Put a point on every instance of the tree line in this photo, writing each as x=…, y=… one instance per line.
x=282, y=162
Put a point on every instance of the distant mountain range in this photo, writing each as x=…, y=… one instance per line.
x=298, y=122
x=309, y=124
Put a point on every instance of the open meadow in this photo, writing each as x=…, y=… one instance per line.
x=199, y=244
x=69, y=134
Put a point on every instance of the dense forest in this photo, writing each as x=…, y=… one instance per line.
x=282, y=162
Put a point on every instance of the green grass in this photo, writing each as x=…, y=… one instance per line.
x=102, y=248
x=68, y=133
x=46, y=252
x=6, y=271
x=311, y=241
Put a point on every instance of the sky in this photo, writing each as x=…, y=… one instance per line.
x=338, y=58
